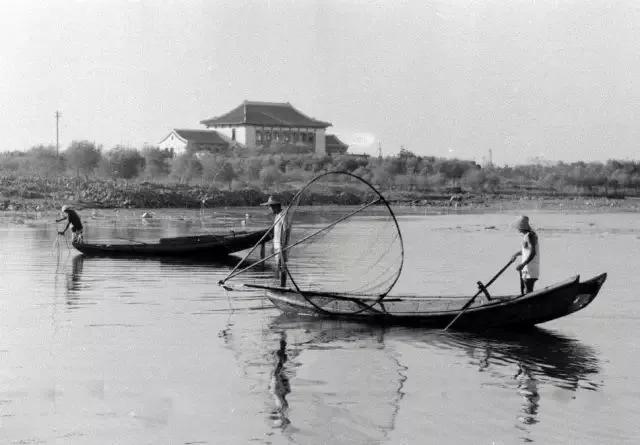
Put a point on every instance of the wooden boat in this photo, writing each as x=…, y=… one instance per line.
x=361, y=266
x=211, y=246
x=516, y=311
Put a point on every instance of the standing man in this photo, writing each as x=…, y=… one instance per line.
x=279, y=237
x=529, y=267
x=74, y=222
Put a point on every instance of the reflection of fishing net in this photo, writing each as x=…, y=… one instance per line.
x=353, y=249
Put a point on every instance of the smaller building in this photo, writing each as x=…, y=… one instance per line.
x=335, y=146
x=181, y=140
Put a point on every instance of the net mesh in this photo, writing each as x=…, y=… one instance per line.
x=354, y=249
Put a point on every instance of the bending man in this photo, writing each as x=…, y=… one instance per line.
x=73, y=220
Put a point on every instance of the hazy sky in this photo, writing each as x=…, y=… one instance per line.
x=557, y=79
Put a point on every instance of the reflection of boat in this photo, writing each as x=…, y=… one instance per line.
x=538, y=357
x=541, y=353
x=216, y=245
x=513, y=311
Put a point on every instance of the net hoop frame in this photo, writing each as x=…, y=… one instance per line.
x=364, y=306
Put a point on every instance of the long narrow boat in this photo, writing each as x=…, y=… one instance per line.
x=516, y=311
x=211, y=246
x=340, y=272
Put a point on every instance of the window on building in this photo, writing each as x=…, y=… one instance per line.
x=259, y=137
x=233, y=134
x=311, y=137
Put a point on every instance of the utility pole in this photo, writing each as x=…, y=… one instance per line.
x=58, y=114
x=490, y=158
x=379, y=150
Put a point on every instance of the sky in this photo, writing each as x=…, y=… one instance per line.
x=554, y=80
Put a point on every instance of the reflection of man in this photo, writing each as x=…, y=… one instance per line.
x=280, y=386
x=279, y=236
x=528, y=389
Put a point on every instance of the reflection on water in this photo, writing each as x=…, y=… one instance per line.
x=306, y=376
x=563, y=361
x=73, y=280
x=152, y=351
x=280, y=386
x=528, y=389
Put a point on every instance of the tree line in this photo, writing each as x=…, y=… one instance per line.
x=237, y=169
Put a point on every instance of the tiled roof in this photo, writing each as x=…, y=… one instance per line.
x=201, y=136
x=332, y=139
x=268, y=114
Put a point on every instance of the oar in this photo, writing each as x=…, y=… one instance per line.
x=468, y=303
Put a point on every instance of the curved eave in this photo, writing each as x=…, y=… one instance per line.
x=208, y=124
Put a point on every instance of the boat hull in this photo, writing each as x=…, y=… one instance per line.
x=515, y=311
x=210, y=246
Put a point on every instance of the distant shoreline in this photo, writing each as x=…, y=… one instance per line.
x=35, y=194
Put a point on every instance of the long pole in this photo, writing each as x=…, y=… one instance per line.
x=233, y=273
x=468, y=303
x=58, y=114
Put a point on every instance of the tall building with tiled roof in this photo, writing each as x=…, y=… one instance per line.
x=260, y=124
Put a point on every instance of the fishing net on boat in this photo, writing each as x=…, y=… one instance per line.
x=350, y=249
x=341, y=242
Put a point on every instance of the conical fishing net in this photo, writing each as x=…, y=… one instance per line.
x=353, y=249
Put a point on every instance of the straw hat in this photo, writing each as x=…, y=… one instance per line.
x=65, y=208
x=271, y=202
x=522, y=223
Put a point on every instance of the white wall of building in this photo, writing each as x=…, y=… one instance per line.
x=175, y=142
x=241, y=133
x=250, y=137
x=321, y=148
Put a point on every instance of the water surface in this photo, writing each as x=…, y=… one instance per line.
x=98, y=350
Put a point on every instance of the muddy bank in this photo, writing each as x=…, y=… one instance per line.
x=40, y=194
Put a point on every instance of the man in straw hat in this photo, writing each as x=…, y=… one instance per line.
x=279, y=236
x=529, y=267
x=73, y=221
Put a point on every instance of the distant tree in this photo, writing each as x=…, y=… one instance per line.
x=404, y=153
x=82, y=157
x=43, y=161
x=270, y=176
x=253, y=169
x=156, y=162
x=226, y=174
x=216, y=168
x=125, y=162
x=186, y=167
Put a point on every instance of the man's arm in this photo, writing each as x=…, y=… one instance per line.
x=65, y=229
x=532, y=254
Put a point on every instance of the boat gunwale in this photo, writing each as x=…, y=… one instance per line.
x=494, y=303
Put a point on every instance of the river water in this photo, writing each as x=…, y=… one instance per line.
x=105, y=351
